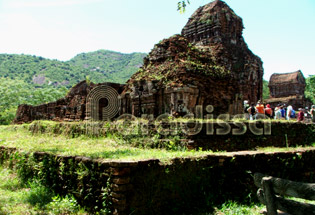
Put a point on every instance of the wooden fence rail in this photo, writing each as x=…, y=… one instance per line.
x=271, y=189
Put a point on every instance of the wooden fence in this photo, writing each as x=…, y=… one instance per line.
x=272, y=191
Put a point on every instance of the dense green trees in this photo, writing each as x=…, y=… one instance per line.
x=101, y=66
x=104, y=65
x=266, y=92
x=26, y=79
x=16, y=92
x=26, y=67
x=310, y=88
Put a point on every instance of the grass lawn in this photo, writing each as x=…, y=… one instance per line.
x=108, y=147
x=234, y=208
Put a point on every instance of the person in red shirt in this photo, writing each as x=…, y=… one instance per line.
x=268, y=111
x=300, y=115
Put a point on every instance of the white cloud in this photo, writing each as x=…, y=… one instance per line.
x=15, y=4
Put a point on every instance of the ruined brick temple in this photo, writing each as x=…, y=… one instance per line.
x=209, y=63
x=288, y=88
x=287, y=84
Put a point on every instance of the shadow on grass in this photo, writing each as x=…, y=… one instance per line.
x=117, y=154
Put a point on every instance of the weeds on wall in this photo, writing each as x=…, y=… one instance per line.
x=58, y=182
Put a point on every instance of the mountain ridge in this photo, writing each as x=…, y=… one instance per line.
x=101, y=66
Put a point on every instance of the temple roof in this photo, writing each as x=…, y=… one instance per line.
x=215, y=16
x=287, y=78
x=203, y=13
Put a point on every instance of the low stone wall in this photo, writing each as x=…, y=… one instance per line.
x=192, y=185
x=237, y=136
x=227, y=136
x=183, y=186
x=80, y=176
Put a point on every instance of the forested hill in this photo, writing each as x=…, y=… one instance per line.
x=100, y=66
x=26, y=79
x=108, y=65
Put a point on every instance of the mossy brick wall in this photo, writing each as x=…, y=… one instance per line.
x=282, y=134
x=183, y=186
x=191, y=185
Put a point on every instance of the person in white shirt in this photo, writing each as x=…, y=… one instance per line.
x=289, y=112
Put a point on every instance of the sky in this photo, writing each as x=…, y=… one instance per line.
x=280, y=32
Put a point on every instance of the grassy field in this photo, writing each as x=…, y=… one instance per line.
x=108, y=147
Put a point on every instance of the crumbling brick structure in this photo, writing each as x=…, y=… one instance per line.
x=208, y=64
x=287, y=84
x=210, y=58
x=216, y=26
x=288, y=89
x=70, y=108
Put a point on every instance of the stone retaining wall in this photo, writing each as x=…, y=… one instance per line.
x=256, y=134
x=183, y=186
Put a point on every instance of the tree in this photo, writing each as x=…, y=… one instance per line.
x=266, y=92
x=181, y=5
x=16, y=92
x=310, y=88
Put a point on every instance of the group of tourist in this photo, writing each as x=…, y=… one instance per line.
x=281, y=111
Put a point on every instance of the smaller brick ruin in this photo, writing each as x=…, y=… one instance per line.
x=288, y=88
x=287, y=84
x=70, y=108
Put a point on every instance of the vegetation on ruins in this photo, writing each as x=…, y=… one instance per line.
x=173, y=59
x=17, y=86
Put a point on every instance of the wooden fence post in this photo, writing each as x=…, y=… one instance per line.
x=269, y=196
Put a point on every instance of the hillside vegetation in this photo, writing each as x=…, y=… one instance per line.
x=110, y=66
x=26, y=79
x=100, y=66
